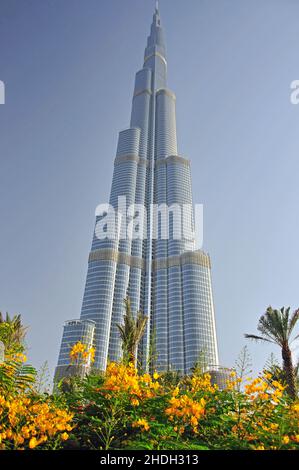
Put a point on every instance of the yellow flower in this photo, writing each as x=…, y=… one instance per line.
x=278, y=385
x=8, y=434
x=273, y=426
x=124, y=378
x=18, y=439
x=141, y=423
x=263, y=396
x=20, y=357
x=64, y=436
x=81, y=353
x=184, y=409
x=156, y=375
x=193, y=421
x=285, y=439
x=202, y=383
x=33, y=443
x=25, y=432
x=92, y=354
x=155, y=385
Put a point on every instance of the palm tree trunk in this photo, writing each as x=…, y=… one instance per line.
x=136, y=356
x=289, y=371
x=133, y=354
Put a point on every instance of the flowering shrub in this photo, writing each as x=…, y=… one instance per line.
x=125, y=409
x=80, y=354
x=110, y=406
x=260, y=417
x=125, y=379
x=28, y=420
x=185, y=411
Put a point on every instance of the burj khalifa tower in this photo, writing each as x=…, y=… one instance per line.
x=166, y=278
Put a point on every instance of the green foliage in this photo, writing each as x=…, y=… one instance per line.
x=260, y=417
x=12, y=333
x=243, y=366
x=276, y=327
x=131, y=332
x=171, y=378
x=16, y=376
x=29, y=417
x=126, y=409
x=42, y=380
x=201, y=364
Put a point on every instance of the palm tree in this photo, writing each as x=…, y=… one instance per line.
x=131, y=332
x=12, y=331
x=276, y=326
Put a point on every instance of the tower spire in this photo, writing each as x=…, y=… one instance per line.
x=157, y=6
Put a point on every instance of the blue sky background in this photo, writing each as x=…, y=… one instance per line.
x=69, y=67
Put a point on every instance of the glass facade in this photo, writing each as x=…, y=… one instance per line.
x=166, y=278
x=74, y=331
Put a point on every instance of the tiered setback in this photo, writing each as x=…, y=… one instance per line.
x=165, y=278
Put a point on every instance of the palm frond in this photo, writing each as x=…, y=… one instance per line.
x=258, y=338
x=16, y=376
x=276, y=327
x=293, y=321
x=274, y=324
x=131, y=331
x=140, y=326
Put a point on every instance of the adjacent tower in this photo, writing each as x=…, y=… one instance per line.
x=165, y=277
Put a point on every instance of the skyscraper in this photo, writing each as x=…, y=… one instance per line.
x=164, y=277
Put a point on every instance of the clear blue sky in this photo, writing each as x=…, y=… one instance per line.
x=69, y=67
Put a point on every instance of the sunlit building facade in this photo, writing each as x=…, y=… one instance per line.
x=167, y=279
